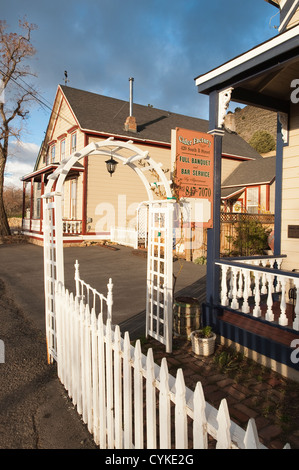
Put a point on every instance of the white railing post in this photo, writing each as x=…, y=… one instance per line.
x=283, y=320
x=234, y=303
x=269, y=313
x=109, y=300
x=296, y=320
x=257, y=297
x=77, y=279
x=245, y=306
x=224, y=299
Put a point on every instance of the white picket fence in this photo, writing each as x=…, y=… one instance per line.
x=128, y=401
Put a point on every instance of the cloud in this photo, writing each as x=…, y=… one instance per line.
x=163, y=44
x=21, y=160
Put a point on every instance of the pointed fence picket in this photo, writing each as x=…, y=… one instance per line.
x=125, y=398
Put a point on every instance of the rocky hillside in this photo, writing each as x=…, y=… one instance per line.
x=248, y=120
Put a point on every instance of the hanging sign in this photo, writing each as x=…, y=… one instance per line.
x=194, y=172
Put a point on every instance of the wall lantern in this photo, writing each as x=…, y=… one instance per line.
x=111, y=165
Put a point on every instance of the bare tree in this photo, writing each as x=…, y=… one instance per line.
x=15, y=95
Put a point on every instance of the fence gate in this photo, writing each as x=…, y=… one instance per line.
x=160, y=273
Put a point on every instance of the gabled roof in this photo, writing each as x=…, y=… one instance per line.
x=105, y=115
x=249, y=173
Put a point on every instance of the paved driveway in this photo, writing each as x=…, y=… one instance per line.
x=21, y=268
x=35, y=411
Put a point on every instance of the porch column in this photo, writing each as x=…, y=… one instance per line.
x=278, y=189
x=31, y=202
x=42, y=202
x=213, y=234
x=24, y=203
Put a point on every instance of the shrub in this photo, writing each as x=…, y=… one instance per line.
x=262, y=142
x=251, y=238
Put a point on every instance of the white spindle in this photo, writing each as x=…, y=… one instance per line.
x=88, y=368
x=109, y=300
x=223, y=433
x=138, y=397
x=95, y=376
x=245, y=306
x=269, y=314
x=77, y=360
x=296, y=320
x=150, y=402
x=127, y=393
x=109, y=387
x=118, y=389
x=181, y=434
x=83, y=369
x=235, y=303
x=240, y=284
x=224, y=297
x=257, y=297
x=164, y=407
x=200, y=435
x=251, y=440
x=102, y=383
x=283, y=320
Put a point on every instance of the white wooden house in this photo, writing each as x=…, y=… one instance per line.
x=94, y=202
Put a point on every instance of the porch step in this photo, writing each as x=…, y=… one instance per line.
x=266, y=330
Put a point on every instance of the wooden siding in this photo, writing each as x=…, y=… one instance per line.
x=290, y=206
x=114, y=200
x=227, y=167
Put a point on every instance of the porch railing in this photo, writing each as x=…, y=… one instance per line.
x=249, y=285
x=72, y=226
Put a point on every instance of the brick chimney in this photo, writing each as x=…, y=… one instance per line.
x=131, y=124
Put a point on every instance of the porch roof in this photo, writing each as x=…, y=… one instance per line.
x=261, y=76
x=47, y=170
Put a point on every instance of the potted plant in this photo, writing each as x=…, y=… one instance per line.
x=203, y=341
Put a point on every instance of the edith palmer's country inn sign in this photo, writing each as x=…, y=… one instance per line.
x=193, y=156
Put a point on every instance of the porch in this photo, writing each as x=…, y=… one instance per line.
x=258, y=311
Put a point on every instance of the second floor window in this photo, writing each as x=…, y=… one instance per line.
x=53, y=154
x=62, y=149
x=74, y=142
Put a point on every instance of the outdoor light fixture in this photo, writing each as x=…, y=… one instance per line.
x=111, y=165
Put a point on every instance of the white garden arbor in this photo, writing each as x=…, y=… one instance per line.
x=160, y=237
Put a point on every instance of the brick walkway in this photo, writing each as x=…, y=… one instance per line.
x=251, y=390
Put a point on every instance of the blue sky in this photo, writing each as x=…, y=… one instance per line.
x=163, y=44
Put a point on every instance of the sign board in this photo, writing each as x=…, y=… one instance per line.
x=293, y=231
x=193, y=154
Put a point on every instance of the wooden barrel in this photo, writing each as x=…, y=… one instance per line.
x=186, y=316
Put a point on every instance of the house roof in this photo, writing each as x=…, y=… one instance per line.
x=249, y=173
x=106, y=116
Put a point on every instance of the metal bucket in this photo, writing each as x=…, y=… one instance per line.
x=186, y=316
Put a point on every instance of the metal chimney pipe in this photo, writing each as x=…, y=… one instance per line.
x=131, y=80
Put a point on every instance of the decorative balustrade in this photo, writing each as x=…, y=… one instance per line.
x=250, y=285
x=72, y=226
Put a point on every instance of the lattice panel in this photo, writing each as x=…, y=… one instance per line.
x=159, y=274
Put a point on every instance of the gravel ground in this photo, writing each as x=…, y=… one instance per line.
x=35, y=412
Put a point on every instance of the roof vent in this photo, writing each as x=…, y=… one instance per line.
x=130, y=124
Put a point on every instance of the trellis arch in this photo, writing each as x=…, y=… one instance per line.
x=128, y=154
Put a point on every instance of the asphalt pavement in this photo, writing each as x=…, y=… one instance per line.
x=35, y=411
